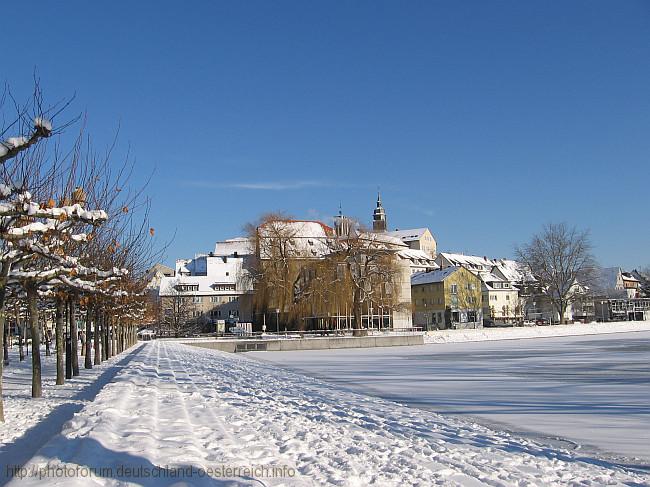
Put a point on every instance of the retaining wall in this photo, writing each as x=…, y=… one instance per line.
x=325, y=343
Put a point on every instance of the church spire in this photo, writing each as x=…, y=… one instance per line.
x=379, y=223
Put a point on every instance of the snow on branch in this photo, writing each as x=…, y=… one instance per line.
x=13, y=146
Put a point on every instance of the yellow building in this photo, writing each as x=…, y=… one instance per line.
x=446, y=298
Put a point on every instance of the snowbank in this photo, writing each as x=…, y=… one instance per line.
x=485, y=334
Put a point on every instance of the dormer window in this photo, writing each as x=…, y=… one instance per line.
x=187, y=287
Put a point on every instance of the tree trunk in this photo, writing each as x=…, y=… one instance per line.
x=21, y=349
x=88, y=362
x=7, y=338
x=3, y=339
x=32, y=304
x=74, y=335
x=46, y=335
x=60, y=359
x=111, y=339
x=96, y=338
x=105, y=338
x=358, y=315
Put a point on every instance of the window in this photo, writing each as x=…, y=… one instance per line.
x=506, y=285
x=187, y=287
x=497, y=285
x=197, y=299
x=507, y=297
x=454, y=289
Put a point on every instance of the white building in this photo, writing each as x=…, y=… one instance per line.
x=216, y=285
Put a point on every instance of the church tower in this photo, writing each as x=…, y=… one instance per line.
x=343, y=226
x=379, y=223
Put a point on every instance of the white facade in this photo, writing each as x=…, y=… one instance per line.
x=215, y=284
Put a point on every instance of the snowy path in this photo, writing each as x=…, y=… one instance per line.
x=181, y=406
x=30, y=422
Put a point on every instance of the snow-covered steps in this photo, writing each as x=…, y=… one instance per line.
x=181, y=411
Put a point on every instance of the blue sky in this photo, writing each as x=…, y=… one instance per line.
x=481, y=120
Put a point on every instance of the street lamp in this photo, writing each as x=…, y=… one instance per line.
x=277, y=319
x=426, y=317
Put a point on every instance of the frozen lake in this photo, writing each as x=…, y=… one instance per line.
x=587, y=392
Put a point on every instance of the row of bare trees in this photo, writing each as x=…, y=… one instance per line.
x=74, y=241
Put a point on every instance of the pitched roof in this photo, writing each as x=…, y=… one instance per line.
x=415, y=254
x=408, y=235
x=467, y=260
x=513, y=271
x=241, y=245
x=304, y=238
x=438, y=275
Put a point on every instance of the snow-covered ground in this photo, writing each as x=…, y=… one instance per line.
x=178, y=411
x=515, y=333
x=29, y=422
x=589, y=392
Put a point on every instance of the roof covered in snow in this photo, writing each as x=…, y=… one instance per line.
x=628, y=276
x=409, y=235
x=513, y=271
x=232, y=246
x=469, y=261
x=302, y=238
x=385, y=238
x=417, y=257
x=438, y=275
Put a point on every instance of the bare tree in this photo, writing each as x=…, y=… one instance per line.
x=177, y=316
x=560, y=258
